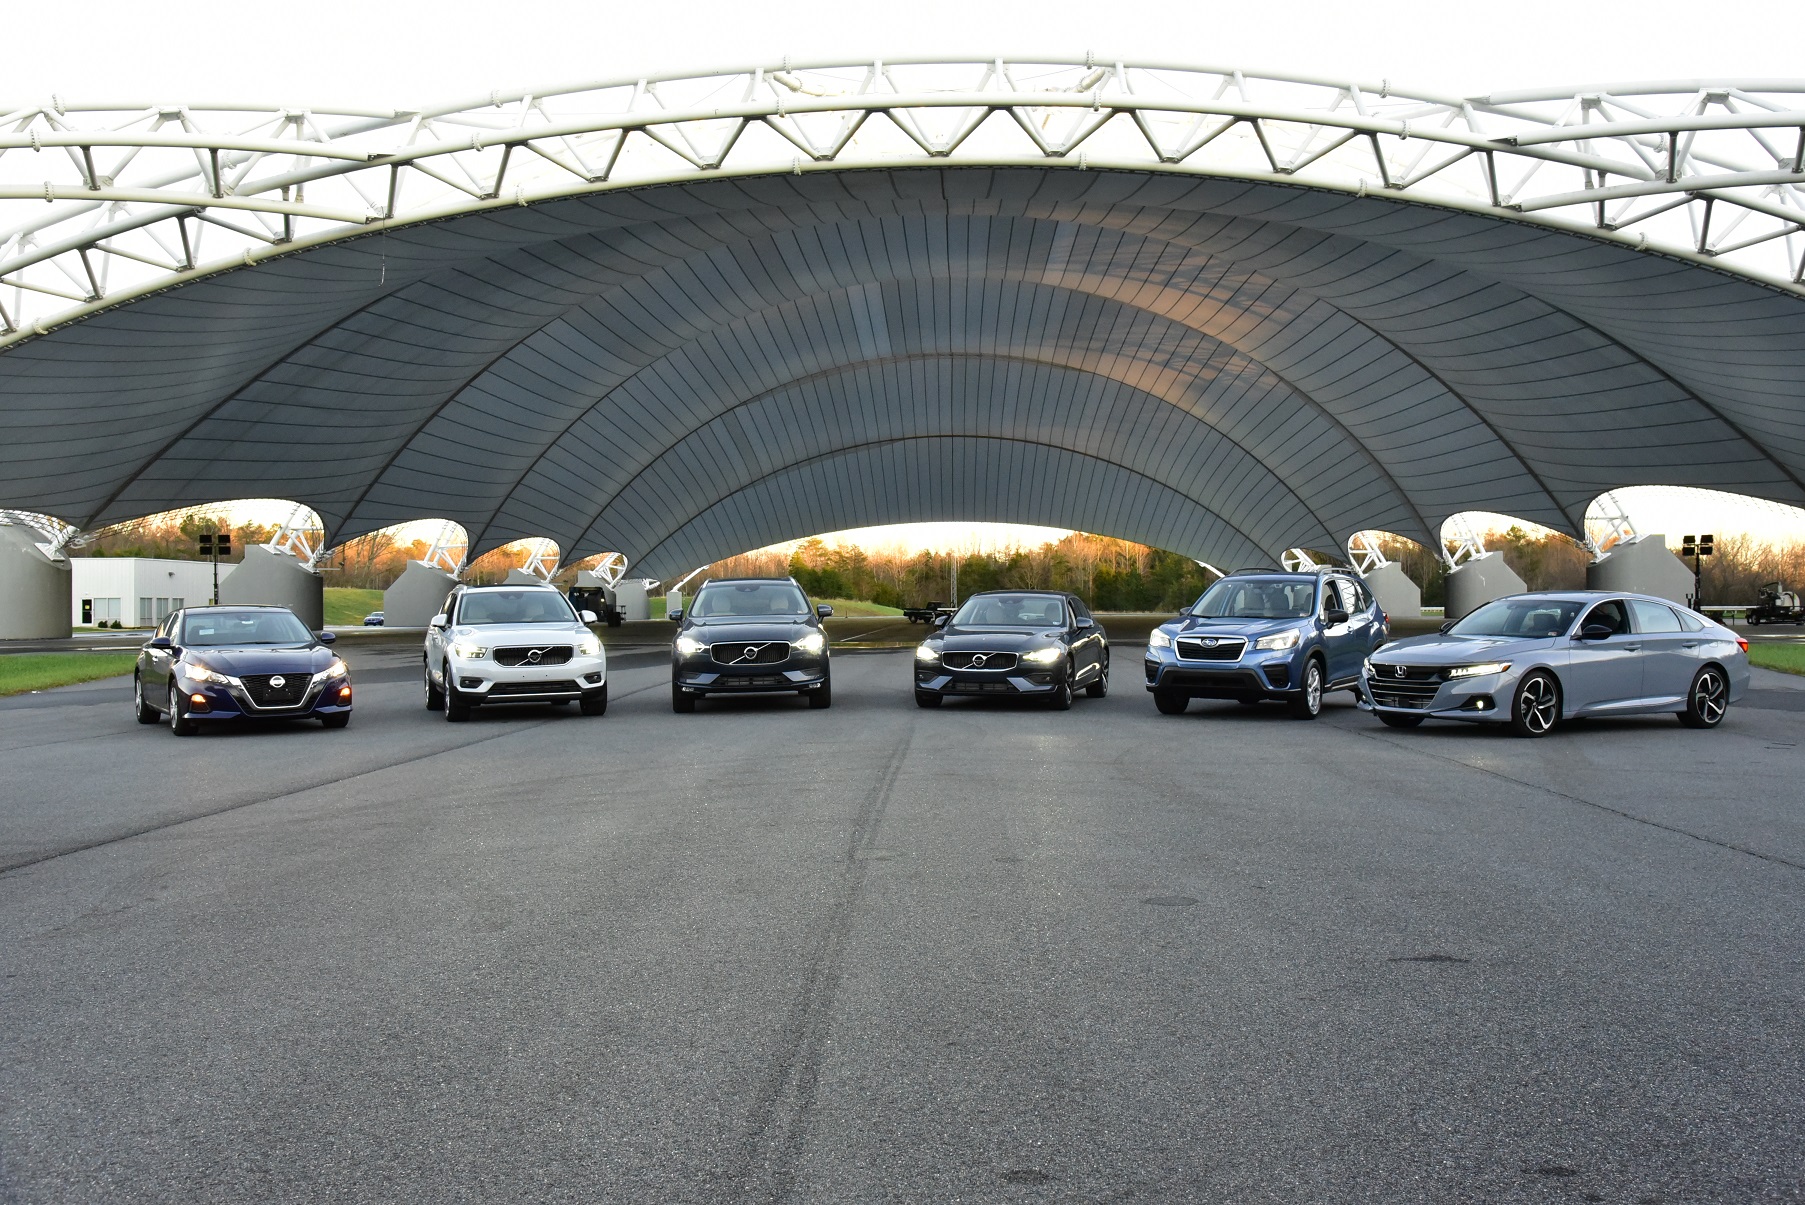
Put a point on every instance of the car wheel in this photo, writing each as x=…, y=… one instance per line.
x=1100, y=687
x=1392, y=719
x=682, y=702
x=1169, y=703
x=1062, y=694
x=1536, y=706
x=435, y=698
x=1306, y=704
x=595, y=702
x=146, y=713
x=927, y=698
x=337, y=719
x=177, y=724
x=824, y=697
x=1708, y=700
x=456, y=710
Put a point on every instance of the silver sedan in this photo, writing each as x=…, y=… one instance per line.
x=1532, y=660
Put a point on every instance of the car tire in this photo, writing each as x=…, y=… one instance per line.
x=1169, y=703
x=145, y=712
x=1062, y=695
x=1708, y=700
x=822, y=697
x=1392, y=719
x=1306, y=704
x=1100, y=687
x=594, y=702
x=337, y=719
x=177, y=723
x=1535, y=706
x=456, y=710
x=927, y=698
x=682, y=702
x=435, y=698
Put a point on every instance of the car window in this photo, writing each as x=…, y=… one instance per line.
x=1257, y=598
x=1011, y=611
x=1653, y=617
x=1523, y=618
x=1689, y=621
x=1339, y=592
x=531, y=605
x=1612, y=615
x=749, y=599
x=218, y=628
x=1079, y=610
x=1363, y=598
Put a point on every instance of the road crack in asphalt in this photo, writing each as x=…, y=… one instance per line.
x=1581, y=800
x=766, y=1162
x=287, y=792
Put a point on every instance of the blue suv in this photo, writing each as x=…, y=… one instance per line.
x=1262, y=634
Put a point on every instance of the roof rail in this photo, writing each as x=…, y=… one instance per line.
x=1257, y=569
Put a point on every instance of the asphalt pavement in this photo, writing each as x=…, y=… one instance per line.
x=982, y=953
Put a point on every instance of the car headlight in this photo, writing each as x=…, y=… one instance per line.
x=1278, y=641
x=1366, y=667
x=337, y=669
x=1478, y=671
x=926, y=652
x=588, y=646
x=689, y=646
x=200, y=673
x=468, y=651
x=813, y=642
x=1157, y=639
x=1044, y=656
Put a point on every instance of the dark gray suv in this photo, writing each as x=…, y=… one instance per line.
x=750, y=636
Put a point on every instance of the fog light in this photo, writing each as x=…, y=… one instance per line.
x=470, y=683
x=198, y=702
x=344, y=692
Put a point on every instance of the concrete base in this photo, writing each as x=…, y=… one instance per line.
x=1478, y=582
x=520, y=577
x=278, y=579
x=34, y=590
x=1398, y=596
x=1642, y=566
x=630, y=597
x=417, y=595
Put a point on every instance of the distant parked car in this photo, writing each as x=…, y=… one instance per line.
x=1032, y=644
x=373, y=619
x=1262, y=634
x=750, y=636
x=512, y=644
x=212, y=664
x=1532, y=660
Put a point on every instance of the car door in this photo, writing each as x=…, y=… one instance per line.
x=160, y=663
x=437, y=636
x=1363, y=632
x=1340, y=639
x=1087, y=641
x=1669, y=651
x=1603, y=673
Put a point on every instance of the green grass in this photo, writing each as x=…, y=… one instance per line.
x=1787, y=657
x=345, y=605
x=41, y=671
x=854, y=606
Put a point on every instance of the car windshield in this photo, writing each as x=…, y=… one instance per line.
x=750, y=599
x=514, y=606
x=243, y=627
x=1011, y=611
x=1523, y=618
x=1257, y=598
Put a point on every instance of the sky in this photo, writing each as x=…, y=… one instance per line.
x=408, y=53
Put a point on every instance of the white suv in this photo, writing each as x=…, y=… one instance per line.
x=512, y=644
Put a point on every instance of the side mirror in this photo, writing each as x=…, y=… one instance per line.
x=940, y=621
x=1595, y=631
x=1446, y=624
x=439, y=620
x=1333, y=616
x=586, y=616
x=823, y=610
x=325, y=637
x=160, y=642
x=675, y=616
x=1084, y=621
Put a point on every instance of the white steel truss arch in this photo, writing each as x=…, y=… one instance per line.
x=104, y=202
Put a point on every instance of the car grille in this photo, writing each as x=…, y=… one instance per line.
x=745, y=680
x=977, y=660
x=264, y=693
x=750, y=652
x=1227, y=648
x=533, y=688
x=1415, y=689
x=982, y=688
x=553, y=655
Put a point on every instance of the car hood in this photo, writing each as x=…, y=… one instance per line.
x=999, y=639
x=262, y=659
x=1193, y=625
x=716, y=629
x=528, y=635
x=1443, y=649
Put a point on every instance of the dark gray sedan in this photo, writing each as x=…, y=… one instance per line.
x=1532, y=660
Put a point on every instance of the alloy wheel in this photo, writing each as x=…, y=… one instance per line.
x=1540, y=704
x=1709, y=695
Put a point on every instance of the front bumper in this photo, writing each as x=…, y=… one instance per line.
x=1024, y=679
x=232, y=701
x=1256, y=674
x=1483, y=699
x=479, y=682
x=702, y=676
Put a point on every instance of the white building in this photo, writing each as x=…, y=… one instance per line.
x=137, y=591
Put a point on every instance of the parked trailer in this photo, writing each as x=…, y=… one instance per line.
x=927, y=614
x=1777, y=605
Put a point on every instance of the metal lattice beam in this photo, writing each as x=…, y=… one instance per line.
x=101, y=203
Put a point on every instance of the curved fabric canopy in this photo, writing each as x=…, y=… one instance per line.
x=682, y=372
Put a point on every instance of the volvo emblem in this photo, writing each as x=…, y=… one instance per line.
x=533, y=655
x=749, y=652
x=278, y=681
x=978, y=660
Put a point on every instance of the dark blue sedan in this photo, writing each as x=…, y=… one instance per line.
x=209, y=664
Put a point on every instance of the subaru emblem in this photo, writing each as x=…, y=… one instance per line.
x=1210, y=643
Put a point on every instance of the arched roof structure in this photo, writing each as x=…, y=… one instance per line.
x=671, y=340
